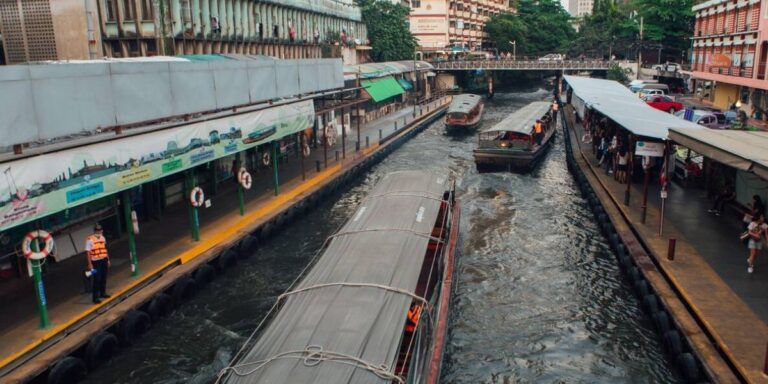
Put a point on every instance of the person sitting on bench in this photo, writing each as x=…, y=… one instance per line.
x=728, y=194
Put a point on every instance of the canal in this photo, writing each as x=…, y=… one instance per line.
x=540, y=297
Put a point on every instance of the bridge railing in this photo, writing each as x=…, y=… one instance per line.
x=522, y=64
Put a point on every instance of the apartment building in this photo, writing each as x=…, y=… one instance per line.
x=34, y=30
x=730, y=52
x=458, y=24
x=580, y=8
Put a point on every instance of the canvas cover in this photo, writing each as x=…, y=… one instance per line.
x=384, y=242
x=522, y=120
x=745, y=150
x=619, y=104
x=463, y=103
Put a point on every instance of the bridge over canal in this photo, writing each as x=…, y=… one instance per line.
x=527, y=65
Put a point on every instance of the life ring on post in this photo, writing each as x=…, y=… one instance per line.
x=305, y=150
x=265, y=158
x=244, y=178
x=197, y=197
x=26, y=245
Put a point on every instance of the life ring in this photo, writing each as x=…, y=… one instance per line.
x=244, y=178
x=330, y=135
x=305, y=150
x=26, y=245
x=197, y=197
x=265, y=158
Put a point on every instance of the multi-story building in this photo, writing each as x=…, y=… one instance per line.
x=35, y=30
x=727, y=65
x=438, y=24
x=580, y=8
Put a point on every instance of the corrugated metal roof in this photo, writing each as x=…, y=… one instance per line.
x=522, y=120
x=745, y=150
x=373, y=70
x=383, y=243
x=464, y=103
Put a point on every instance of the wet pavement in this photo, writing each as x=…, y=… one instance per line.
x=539, y=298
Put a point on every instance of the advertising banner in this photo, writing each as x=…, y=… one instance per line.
x=649, y=148
x=42, y=185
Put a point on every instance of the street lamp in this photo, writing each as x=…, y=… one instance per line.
x=514, y=49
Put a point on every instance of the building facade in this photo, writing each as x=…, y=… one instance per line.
x=729, y=54
x=459, y=24
x=580, y=8
x=34, y=30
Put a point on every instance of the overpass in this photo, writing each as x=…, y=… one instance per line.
x=523, y=65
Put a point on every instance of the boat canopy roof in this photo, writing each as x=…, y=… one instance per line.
x=522, y=120
x=463, y=103
x=619, y=104
x=383, y=247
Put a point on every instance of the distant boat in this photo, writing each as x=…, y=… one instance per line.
x=464, y=114
x=374, y=306
x=511, y=144
x=260, y=134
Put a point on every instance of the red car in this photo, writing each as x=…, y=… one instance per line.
x=664, y=103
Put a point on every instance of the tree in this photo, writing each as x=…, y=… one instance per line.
x=667, y=22
x=538, y=27
x=388, y=31
x=618, y=73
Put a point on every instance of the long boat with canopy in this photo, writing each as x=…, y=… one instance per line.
x=514, y=143
x=373, y=307
x=464, y=114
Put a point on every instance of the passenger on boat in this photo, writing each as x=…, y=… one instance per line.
x=414, y=314
x=537, y=129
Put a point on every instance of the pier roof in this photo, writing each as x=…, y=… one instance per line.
x=619, y=104
x=745, y=150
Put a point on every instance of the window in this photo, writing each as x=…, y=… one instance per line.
x=416, y=3
x=110, y=10
x=147, y=10
x=128, y=10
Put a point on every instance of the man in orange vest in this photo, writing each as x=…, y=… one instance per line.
x=414, y=314
x=98, y=262
x=538, y=131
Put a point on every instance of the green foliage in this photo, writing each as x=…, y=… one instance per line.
x=388, y=30
x=538, y=27
x=669, y=22
x=618, y=73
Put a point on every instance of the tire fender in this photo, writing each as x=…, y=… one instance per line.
x=204, y=274
x=672, y=343
x=67, y=370
x=160, y=306
x=248, y=246
x=100, y=349
x=184, y=289
x=661, y=321
x=650, y=304
x=688, y=367
x=133, y=325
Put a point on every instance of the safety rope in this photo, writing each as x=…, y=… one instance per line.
x=360, y=285
x=409, y=194
x=311, y=356
x=421, y=234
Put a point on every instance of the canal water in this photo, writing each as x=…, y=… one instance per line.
x=540, y=297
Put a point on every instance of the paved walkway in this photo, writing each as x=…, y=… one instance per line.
x=162, y=243
x=709, y=269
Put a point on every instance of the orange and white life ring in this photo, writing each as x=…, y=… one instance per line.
x=266, y=159
x=244, y=178
x=197, y=197
x=26, y=245
x=305, y=150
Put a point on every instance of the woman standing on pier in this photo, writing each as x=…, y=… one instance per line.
x=757, y=230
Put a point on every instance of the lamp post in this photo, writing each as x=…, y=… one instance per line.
x=514, y=49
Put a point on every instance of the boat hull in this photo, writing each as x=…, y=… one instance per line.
x=510, y=159
x=462, y=128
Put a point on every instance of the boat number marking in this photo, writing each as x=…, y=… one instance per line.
x=359, y=214
x=420, y=214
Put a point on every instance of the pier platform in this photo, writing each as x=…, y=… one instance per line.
x=166, y=250
x=708, y=273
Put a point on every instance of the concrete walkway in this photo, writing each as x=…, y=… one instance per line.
x=161, y=242
x=709, y=270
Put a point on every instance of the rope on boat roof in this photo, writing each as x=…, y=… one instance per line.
x=423, y=301
x=421, y=234
x=311, y=356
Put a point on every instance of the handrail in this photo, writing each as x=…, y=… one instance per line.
x=522, y=64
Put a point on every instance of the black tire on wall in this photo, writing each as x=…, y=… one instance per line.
x=160, y=306
x=673, y=344
x=204, y=274
x=248, y=246
x=67, y=370
x=661, y=322
x=133, y=325
x=688, y=367
x=184, y=289
x=100, y=349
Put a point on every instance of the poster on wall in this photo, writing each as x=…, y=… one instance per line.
x=42, y=185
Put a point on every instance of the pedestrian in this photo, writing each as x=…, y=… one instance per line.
x=726, y=195
x=98, y=262
x=757, y=231
x=538, y=131
x=621, y=173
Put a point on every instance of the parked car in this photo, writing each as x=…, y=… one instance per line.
x=667, y=67
x=709, y=119
x=663, y=103
x=552, y=57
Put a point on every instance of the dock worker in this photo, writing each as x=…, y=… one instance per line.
x=555, y=107
x=98, y=262
x=414, y=314
x=537, y=130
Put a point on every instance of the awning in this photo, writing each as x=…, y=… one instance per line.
x=619, y=104
x=745, y=150
x=382, y=89
x=405, y=84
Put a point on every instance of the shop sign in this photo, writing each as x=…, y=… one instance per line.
x=649, y=148
x=720, y=60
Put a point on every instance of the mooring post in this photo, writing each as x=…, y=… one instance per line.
x=317, y=165
x=671, y=249
x=367, y=142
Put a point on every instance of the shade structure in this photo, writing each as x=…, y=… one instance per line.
x=744, y=150
x=382, y=89
x=376, y=70
x=383, y=244
x=522, y=120
x=407, y=85
x=619, y=104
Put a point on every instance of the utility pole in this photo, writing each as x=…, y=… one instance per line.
x=640, y=49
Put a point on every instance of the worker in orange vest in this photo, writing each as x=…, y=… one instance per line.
x=414, y=314
x=537, y=129
x=555, y=108
x=98, y=262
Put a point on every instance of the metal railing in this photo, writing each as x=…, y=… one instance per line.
x=522, y=64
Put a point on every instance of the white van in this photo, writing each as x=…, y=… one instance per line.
x=653, y=89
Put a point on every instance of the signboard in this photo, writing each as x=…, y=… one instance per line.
x=720, y=60
x=42, y=185
x=649, y=148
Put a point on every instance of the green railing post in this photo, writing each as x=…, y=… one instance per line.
x=240, y=189
x=37, y=277
x=193, y=214
x=274, y=168
x=131, y=235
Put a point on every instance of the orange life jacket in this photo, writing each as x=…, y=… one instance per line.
x=537, y=127
x=414, y=314
x=99, y=248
